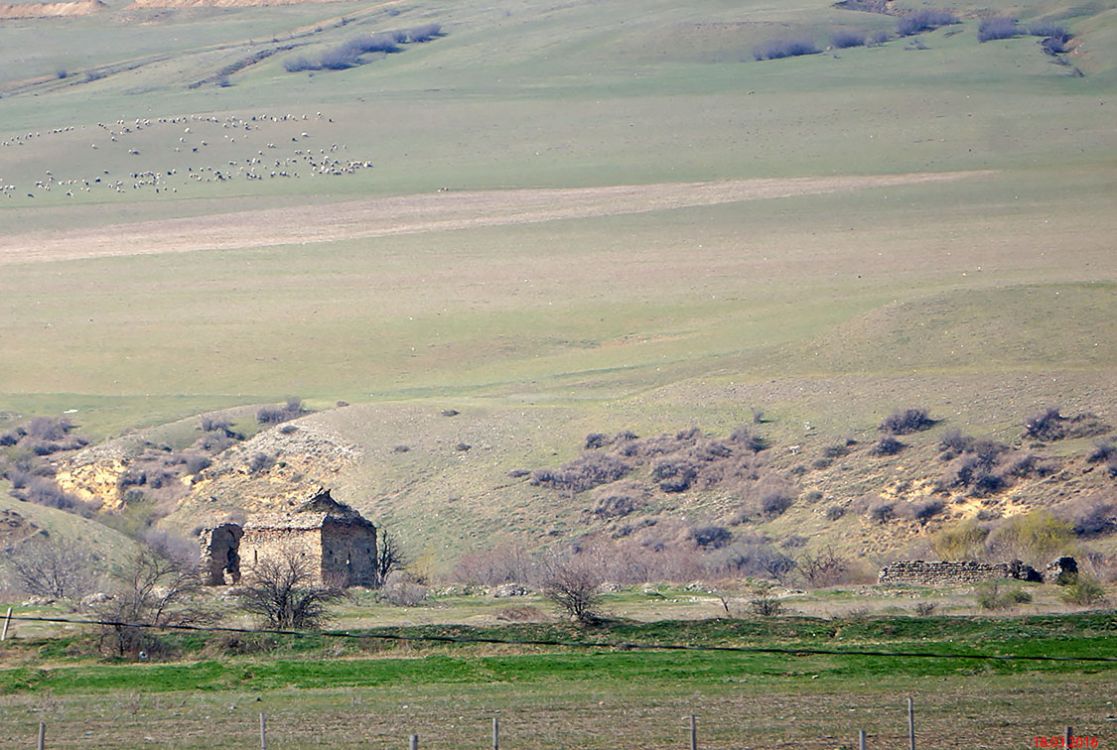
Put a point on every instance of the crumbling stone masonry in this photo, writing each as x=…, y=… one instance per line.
x=935, y=573
x=338, y=543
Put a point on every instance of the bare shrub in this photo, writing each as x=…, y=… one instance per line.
x=751, y=556
x=153, y=592
x=1046, y=28
x=44, y=491
x=618, y=504
x=954, y=442
x=925, y=609
x=1104, y=451
x=775, y=503
x=596, y=440
x=56, y=570
x=748, y=439
x=271, y=415
x=195, y=463
x=674, y=475
x=712, y=537
x=504, y=563
x=401, y=589
x=907, y=421
x=764, y=603
x=292, y=409
x=260, y=463
x=823, y=568
x=48, y=428
x=1091, y=516
x=778, y=49
x=845, y=38
x=795, y=541
x=583, y=473
x=878, y=38
x=424, y=33
x=1050, y=425
x=924, y=510
x=171, y=546
x=573, y=584
x=881, y=511
x=834, y=512
x=280, y=593
x=887, y=446
x=997, y=28
x=928, y=19
x=349, y=53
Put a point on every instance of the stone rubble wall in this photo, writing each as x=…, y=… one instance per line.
x=933, y=573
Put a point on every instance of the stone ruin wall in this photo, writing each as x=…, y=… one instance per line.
x=261, y=543
x=349, y=554
x=938, y=573
x=220, y=556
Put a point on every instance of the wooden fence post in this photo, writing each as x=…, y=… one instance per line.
x=263, y=731
x=42, y=743
x=693, y=732
x=911, y=724
x=1067, y=739
x=496, y=733
x=860, y=739
x=413, y=743
x=7, y=624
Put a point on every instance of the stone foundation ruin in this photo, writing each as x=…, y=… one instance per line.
x=337, y=542
x=936, y=573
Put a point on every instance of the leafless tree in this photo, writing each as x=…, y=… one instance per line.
x=389, y=556
x=573, y=583
x=151, y=593
x=281, y=593
x=52, y=569
x=824, y=568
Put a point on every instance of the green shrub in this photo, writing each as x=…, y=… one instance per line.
x=1085, y=591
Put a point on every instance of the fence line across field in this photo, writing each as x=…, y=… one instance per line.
x=693, y=719
x=620, y=645
x=413, y=739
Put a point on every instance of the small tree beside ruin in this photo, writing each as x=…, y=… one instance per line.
x=390, y=556
x=281, y=593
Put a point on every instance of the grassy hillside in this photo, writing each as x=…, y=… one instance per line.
x=177, y=264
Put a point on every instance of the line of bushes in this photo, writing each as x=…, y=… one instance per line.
x=349, y=54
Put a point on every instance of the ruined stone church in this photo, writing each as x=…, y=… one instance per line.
x=337, y=543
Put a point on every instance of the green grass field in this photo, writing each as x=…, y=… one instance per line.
x=587, y=699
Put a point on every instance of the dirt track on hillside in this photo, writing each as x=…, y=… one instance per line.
x=416, y=214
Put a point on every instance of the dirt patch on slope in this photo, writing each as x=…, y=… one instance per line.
x=416, y=214
x=51, y=10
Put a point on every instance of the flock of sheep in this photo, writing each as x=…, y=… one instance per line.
x=261, y=147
